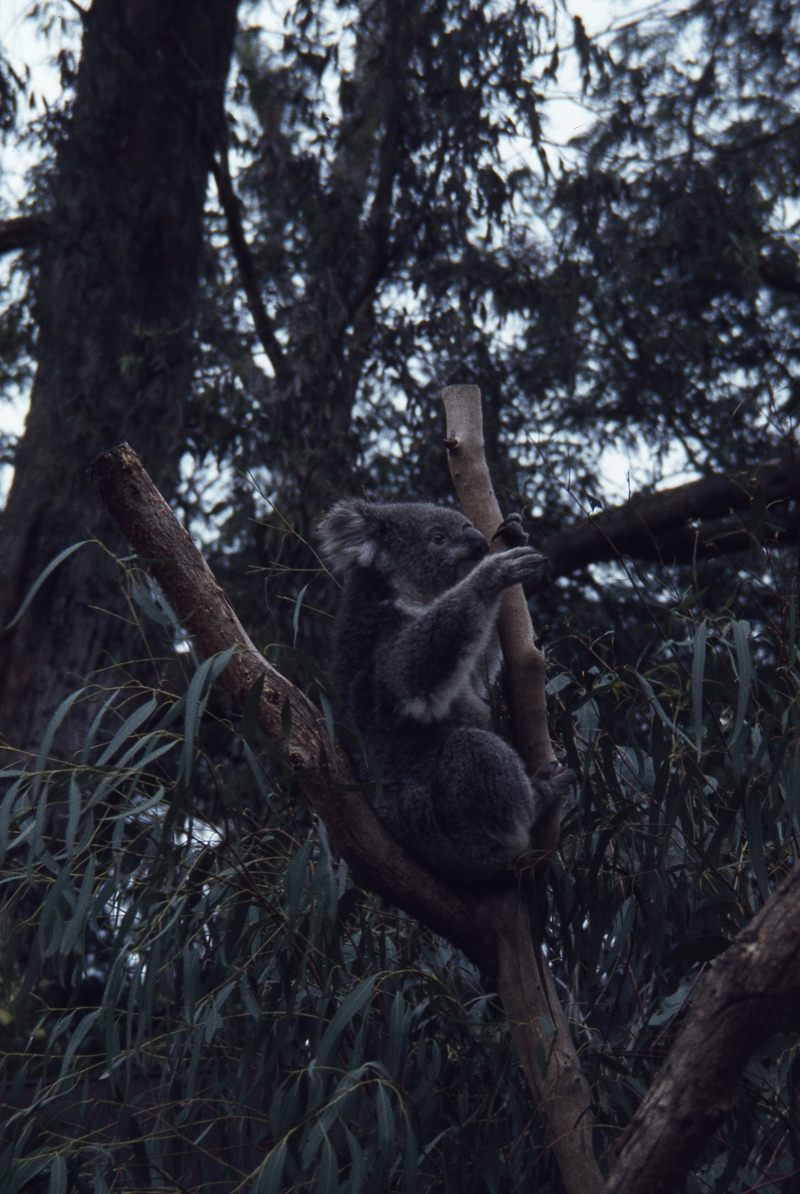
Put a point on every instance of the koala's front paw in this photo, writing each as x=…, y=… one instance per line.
x=519, y=565
x=551, y=784
x=511, y=532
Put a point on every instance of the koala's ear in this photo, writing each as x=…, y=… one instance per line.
x=347, y=535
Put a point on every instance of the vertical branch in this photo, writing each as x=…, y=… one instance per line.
x=541, y=1033
x=247, y=269
x=524, y=983
x=524, y=662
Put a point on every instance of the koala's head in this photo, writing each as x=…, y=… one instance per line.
x=422, y=549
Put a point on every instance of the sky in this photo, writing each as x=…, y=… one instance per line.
x=28, y=49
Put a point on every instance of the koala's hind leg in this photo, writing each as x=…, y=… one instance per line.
x=484, y=805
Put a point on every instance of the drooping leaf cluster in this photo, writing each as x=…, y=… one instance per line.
x=194, y=985
x=638, y=290
x=195, y=991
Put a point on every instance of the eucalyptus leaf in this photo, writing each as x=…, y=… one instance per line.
x=42, y=577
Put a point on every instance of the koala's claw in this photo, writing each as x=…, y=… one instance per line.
x=511, y=531
x=552, y=783
x=520, y=564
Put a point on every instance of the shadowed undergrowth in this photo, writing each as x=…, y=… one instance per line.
x=196, y=994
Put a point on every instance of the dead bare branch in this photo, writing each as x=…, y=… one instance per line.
x=524, y=982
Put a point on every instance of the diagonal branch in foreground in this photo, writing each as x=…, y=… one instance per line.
x=491, y=928
x=739, y=1005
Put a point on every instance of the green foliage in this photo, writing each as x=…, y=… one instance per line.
x=409, y=225
x=675, y=214
x=206, y=996
x=638, y=289
x=194, y=990
x=687, y=818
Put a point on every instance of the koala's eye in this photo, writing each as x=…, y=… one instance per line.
x=438, y=537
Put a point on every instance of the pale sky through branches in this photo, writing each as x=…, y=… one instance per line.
x=31, y=53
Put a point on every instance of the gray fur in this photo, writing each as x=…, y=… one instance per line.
x=414, y=647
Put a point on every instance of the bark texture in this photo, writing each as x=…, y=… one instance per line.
x=524, y=982
x=658, y=526
x=740, y=1004
x=743, y=997
x=115, y=296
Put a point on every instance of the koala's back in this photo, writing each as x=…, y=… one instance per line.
x=366, y=618
x=417, y=615
x=367, y=622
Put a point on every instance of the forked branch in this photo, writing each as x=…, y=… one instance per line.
x=739, y=1004
x=147, y=522
x=491, y=929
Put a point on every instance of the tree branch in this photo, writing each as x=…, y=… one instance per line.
x=247, y=270
x=377, y=252
x=490, y=927
x=22, y=232
x=379, y=862
x=740, y=1004
x=525, y=663
x=524, y=982
x=654, y=526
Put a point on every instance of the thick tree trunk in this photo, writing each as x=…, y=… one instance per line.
x=116, y=295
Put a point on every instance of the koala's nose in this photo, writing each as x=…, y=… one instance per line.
x=476, y=543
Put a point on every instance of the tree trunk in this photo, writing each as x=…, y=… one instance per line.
x=116, y=294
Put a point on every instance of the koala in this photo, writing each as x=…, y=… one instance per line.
x=414, y=649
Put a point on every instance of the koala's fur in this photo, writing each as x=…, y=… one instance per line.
x=414, y=647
